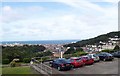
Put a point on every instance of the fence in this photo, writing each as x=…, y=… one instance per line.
x=45, y=68
x=42, y=68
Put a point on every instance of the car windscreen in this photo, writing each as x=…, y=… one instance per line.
x=86, y=58
x=94, y=55
x=63, y=61
x=108, y=54
x=77, y=60
x=118, y=52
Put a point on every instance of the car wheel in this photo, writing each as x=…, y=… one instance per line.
x=104, y=59
x=72, y=66
x=58, y=68
x=83, y=64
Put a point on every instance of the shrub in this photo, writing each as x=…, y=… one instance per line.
x=43, y=59
x=116, y=47
x=26, y=60
x=5, y=61
x=70, y=51
x=12, y=64
x=111, y=51
x=79, y=54
x=67, y=56
x=107, y=50
x=17, y=64
x=75, y=55
x=83, y=53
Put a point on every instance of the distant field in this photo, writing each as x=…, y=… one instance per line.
x=17, y=70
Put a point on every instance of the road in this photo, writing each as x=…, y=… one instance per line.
x=108, y=67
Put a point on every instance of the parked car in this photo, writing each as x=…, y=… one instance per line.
x=105, y=56
x=87, y=60
x=94, y=56
x=61, y=64
x=76, y=62
x=116, y=54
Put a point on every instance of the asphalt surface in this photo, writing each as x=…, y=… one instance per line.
x=107, y=67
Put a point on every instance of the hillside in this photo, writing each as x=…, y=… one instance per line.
x=23, y=52
x=95, y=40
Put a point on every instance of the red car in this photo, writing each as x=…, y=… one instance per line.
x=87, y=60
x=76, y=62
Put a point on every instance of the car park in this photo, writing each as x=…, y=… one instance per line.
x=101, y=67
x=116, y=54
x=76, y=62
x=61, y=64
x=105, y=56
x=94, y=56
x=87, y=60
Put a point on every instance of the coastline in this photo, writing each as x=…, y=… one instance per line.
x=39, y=42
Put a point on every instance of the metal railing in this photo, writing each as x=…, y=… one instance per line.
x=45, y=68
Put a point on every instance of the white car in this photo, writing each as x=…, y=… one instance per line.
x=94, y=56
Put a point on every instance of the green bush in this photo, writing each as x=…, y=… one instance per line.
x=83, y=53
x=75, y=55
x=26, y=60
x=43, y=59
x=116, y=47
x=107, y=50
x=79, y=54
x=17, y=64
x=12, y=64
x=5, y=61
x=70, y=51
x=111, y=51
x=67, y=56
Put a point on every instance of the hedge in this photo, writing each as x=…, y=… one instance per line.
x=108, y=50
x=26, y=60
x=5, y=61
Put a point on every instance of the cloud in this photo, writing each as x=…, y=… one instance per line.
x=113, y=1
x=7, y=8
x=86, y=5
x=18, y=13
x=85, y=20
x=9, y=14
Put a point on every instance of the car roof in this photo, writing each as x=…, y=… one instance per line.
x=118, y=51
x=105, y=53
x=74, y=58
x=92, y=54
x=60, y=59
x=84, y=56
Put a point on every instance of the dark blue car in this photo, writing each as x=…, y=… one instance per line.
x=116, y=54
x=61, y=64
x=105, y=56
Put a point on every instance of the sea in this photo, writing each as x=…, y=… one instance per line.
x=41, y=42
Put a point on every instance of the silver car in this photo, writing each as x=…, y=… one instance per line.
x=94, y=56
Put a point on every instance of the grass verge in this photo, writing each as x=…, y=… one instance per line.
x=17, y=70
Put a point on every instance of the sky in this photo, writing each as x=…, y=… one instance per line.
x=25, y=20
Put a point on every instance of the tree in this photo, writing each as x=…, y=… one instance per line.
x=5, y=61
x=21, y=52
x=70, y=51
x=26, y=60
x=95, y=40
x=116, y=47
